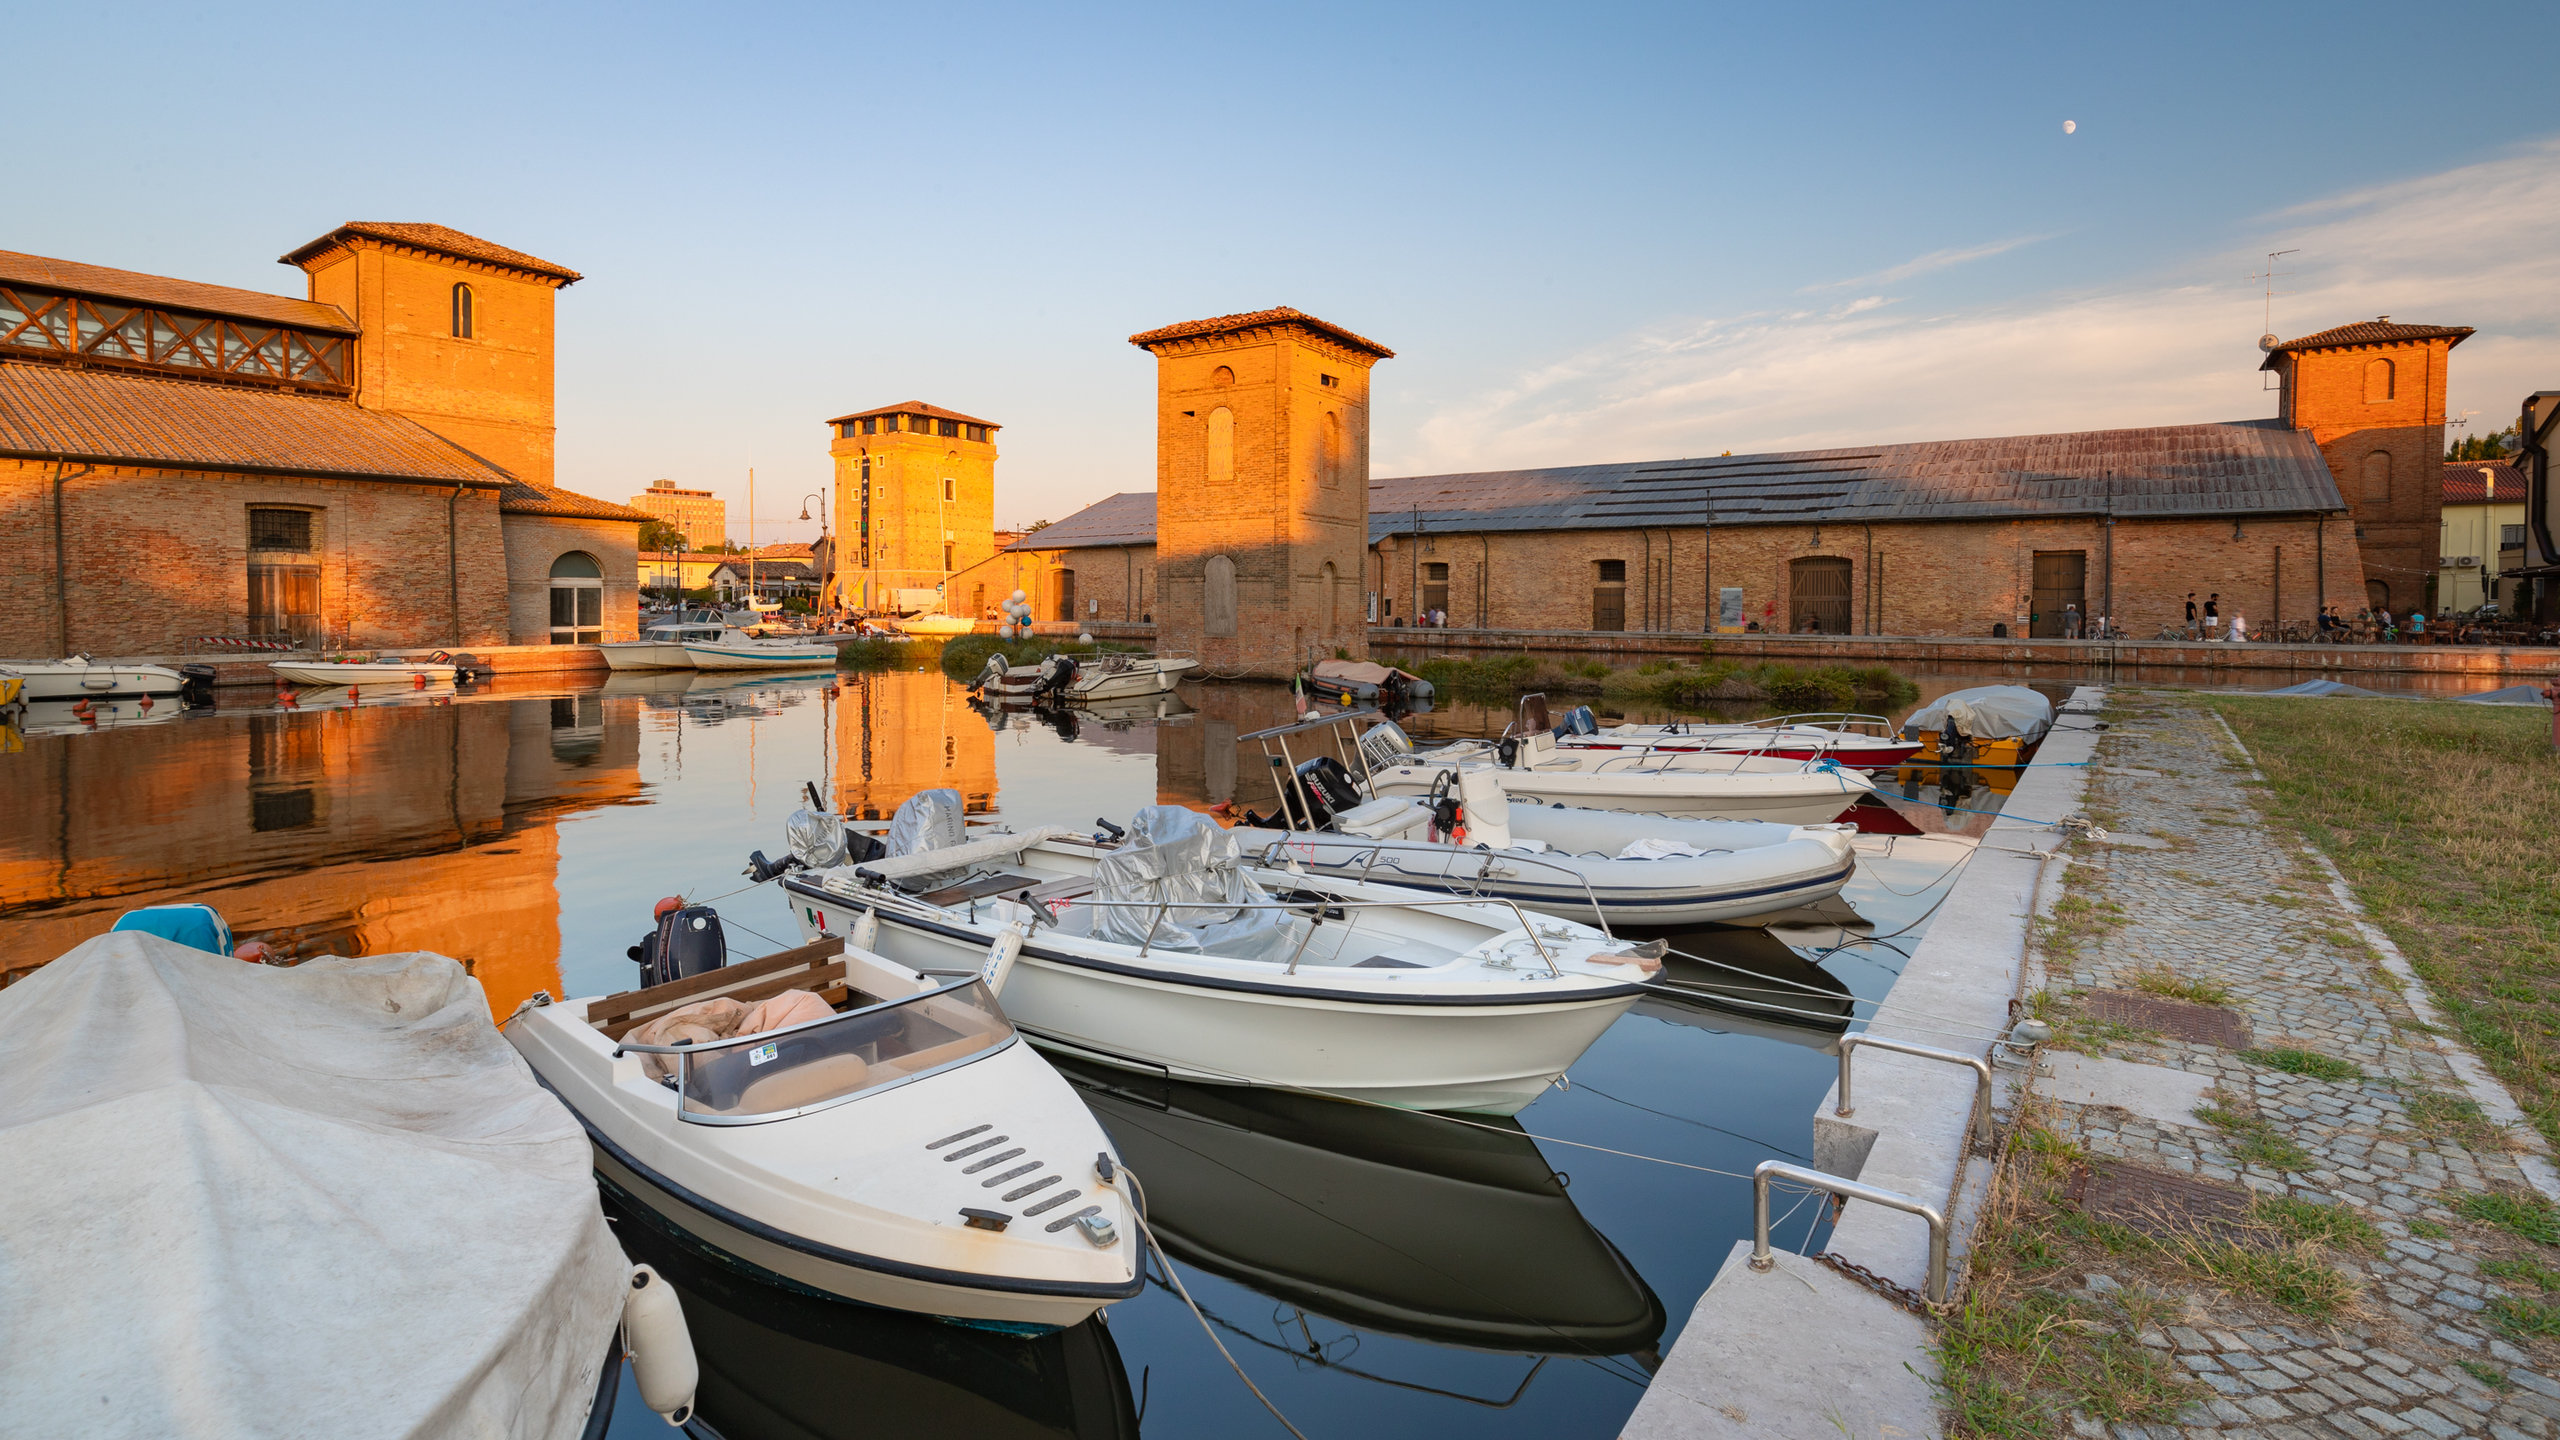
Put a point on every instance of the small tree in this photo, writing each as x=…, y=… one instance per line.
x=662, y=537
x=1035, y=527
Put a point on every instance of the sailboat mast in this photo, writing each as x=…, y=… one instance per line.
x=751, y=537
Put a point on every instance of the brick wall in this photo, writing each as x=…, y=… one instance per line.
x=908, y=516
x=154, y=558
x=2385, y=444
x=490, y=393
x=1941, y=578
x=1278, y=487
x=1112, y=582
x=533, y=542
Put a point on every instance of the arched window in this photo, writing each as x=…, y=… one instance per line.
x=1222, y=445
x=577, y=600
x=461, y=312
x=2377, y=478
x=1222, y=376
x=1329, y=451
x=2378, y=381
x=1332, y=582
x=1218, y=595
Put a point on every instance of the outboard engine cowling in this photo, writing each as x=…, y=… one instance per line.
x=1056, y=674
x=688, y=941
x=1324, y=789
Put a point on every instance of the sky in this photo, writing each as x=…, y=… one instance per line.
x=1590, y=233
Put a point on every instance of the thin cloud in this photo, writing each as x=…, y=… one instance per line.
x=2462, y=247
x=1934, y=260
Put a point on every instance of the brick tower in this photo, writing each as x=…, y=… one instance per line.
x=457, y=333
x=2372, y=396
x=915, y=501
x=1262, y=489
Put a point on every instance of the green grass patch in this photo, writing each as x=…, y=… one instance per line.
x=2443, y=818
x=2453, y=1117
x=2530, y=1216
x=2329, y=1224
x=872, y=653
x=2487, y=1374
x=2541, y=1277
x=2428, y=1230
x=2310, y=1063
x=2526, y=1319
x=2253, y=1140
x=2162, y=981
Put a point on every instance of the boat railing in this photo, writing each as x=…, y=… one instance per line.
x=1839, y=720
x=711, y=1089
x=1319, y=907
x=1378, y=849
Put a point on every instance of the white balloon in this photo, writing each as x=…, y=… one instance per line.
x=2070, y=126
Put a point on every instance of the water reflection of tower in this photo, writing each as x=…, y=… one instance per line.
x=902, y=732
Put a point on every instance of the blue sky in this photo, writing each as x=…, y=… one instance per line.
x=1591, y=233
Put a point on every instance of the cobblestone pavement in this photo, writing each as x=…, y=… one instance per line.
x=2234, y=902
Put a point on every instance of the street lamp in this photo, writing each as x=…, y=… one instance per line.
x=820, y=497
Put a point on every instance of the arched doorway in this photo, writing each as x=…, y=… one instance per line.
x=1332, y=584
x=1218, y=596
x=577, y=600
x=1818, y=595
x=2377, y=595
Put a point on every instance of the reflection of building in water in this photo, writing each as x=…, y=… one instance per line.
x=901, y=732
x=1199, y=764
x=365, y=831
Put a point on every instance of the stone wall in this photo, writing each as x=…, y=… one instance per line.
x=154, y=558
x=908, y=517
x=1111, y=583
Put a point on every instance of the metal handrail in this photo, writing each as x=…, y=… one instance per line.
x=1300, y=906
x=1378, y=850
x=1768, y=1170
x=1980, y=1121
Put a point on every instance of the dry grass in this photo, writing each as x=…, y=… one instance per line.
x=2170, y=984
x=2444, y=819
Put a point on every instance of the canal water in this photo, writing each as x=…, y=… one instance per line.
x=1377, y=1273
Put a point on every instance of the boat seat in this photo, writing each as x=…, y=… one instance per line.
x=1382, y=819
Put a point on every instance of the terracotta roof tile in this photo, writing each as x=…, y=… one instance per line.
x=442, y=239
x=523, y=497
x=2367, y=332
x=132, y=286
x=109, y=417
x=1223, y=324
x=916, y=407
x=2464, y=484
x=771, y=569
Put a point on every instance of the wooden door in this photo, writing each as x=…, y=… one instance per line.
x=1818, y=592
x=2061, y=579
x=284, y=600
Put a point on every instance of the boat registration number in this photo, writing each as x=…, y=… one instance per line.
x=763, y=1053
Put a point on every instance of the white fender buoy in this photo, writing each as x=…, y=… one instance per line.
x=661, y=1347
x=1000, y=958
x=866, y=931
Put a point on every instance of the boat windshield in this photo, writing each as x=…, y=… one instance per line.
x=809, y=1067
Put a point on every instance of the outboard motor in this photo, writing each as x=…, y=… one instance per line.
x=1323, y=789
x=1506, y=752
x=195, y=685
x=688, y=941
x=1056, y=674
x=994, y=670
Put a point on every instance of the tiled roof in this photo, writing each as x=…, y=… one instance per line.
x=2465, y=485
x=523, y=497
x=772, y=569
x=107, y=417
x=2367, y=332
x=1128, y=518
x=689, y=557
x=442, y=239
x=134, y=287
x=785, y=550
x=2248, y=467
x=1222, y=324
x=916, y=407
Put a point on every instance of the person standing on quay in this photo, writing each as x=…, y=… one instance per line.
x=2070, y=621
x=2212, y=615
x=2192, y=631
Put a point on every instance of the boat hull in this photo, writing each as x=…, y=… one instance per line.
x=646, y=655
x=1873, y=755
x=936, y=625
x=1151, y=679
x=1811, y=797
x=322, y=673
x=750, y=657
x=1481, y=1055
x=95, y=682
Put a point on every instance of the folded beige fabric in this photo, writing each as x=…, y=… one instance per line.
x=699, y=1023
x=791, y=1007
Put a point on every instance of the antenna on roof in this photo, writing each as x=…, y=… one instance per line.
x=2270, y=276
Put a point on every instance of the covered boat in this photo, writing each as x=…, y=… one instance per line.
x=1863, y=742
x=1695, y=784
x=1364, y=682
x=78, y=677
x=1466, y=836
x=325, y=1200
x=1985, y=725
x=1161, y=947
x=831, y=1119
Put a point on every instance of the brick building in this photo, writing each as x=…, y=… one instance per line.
x=702, y=516
x=2371, y=396
x=2482, y=535
x=915, y=500
x=1097, y=564
x=180, y=460
x=1262, y=473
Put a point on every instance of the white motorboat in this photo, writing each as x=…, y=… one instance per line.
x=661, y=646
x=235, y=1189
x=78, y=677
x=1696, y=784
x=751, y=654
x=1168, y=953
x=936, y=624
x=897, y=1147
x=414, y=674
x=1113, y=675
x=1861, y=742
x=1468, y=837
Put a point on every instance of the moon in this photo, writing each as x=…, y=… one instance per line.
x=2070, y=126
